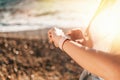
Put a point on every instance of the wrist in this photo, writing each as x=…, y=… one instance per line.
x=62, y=41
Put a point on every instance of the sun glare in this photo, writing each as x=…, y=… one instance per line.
x=108, y=20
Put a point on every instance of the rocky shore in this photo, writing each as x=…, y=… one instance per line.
x=24, y=56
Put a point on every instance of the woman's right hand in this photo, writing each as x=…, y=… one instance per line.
x=77, y=36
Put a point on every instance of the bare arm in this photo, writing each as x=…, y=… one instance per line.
x=97, y=62
x=100, y=63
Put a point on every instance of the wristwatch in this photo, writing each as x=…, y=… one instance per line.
x=62, y=41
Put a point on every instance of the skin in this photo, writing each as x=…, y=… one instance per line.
x=105, y=65
x=78, y=36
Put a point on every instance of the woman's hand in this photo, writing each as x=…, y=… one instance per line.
x=55, y=35
x=77, y=36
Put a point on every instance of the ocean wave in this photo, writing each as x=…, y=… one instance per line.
x=18, y=15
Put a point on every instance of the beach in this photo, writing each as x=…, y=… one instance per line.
x=35, y=59
x=25, y=52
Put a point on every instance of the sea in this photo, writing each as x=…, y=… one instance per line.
x=21, y=15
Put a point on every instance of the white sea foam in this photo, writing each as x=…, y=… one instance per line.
x=74, y=13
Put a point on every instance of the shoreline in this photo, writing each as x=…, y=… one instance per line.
x=29, y=34
x=38, y=34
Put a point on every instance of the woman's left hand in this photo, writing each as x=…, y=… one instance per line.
x=55, y=35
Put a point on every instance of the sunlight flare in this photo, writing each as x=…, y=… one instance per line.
x=108, y=20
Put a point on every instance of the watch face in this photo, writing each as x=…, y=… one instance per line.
x=59, y=32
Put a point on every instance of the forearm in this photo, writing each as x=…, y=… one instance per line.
x=94, y=61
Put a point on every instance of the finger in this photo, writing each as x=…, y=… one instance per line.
x=50, y=31
x=50, y=40
x=69, y=33
x=50, y=36
x=80, y=40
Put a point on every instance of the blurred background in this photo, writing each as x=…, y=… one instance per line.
x=25, y=53
x=45, y=13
